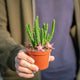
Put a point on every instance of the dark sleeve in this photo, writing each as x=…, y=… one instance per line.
x=78, y=75
x=8, y=47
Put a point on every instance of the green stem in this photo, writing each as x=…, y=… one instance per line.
x=52, y=30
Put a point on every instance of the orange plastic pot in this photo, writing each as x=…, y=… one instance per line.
x=41, y=58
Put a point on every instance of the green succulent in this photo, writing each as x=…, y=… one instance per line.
x=40, y=36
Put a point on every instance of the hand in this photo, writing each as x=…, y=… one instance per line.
x=25, y=65
x=51, y=58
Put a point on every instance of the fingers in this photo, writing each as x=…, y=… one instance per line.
x=23, y=69
x=51, y=58
x=23, y=55
x=26, y=64
x=25, y=75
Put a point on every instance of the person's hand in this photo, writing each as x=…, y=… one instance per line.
x=51, y=58
x=25, y=65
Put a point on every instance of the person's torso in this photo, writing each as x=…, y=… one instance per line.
x=65, y=60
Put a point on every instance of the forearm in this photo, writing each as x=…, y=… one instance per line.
x=8, y=48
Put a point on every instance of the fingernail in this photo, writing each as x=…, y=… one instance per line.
x=32, y=61
x=35, y=69
x=32, y=75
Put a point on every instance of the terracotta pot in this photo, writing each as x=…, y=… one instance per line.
x=41, y=58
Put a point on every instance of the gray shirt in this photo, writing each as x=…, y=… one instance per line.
x=64, y=66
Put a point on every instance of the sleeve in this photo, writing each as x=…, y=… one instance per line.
x=78, y=75
x=8, y=47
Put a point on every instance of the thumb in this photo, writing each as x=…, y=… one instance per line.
x=51, y=58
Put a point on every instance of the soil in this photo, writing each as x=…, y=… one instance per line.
x=35, y=49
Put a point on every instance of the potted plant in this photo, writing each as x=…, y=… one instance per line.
x=40, y=47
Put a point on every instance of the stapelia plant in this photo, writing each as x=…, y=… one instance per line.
x=40, y=38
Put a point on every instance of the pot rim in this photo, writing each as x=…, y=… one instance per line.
x=38, y=52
